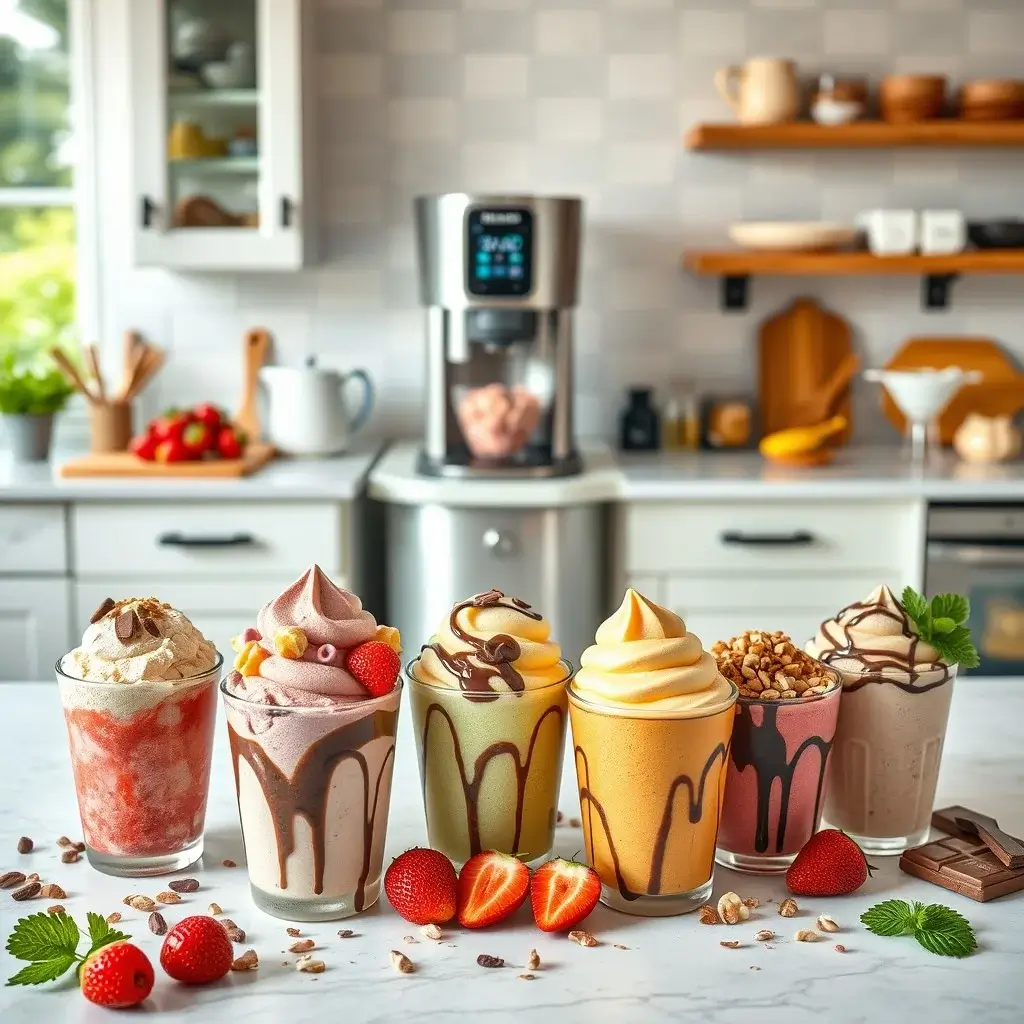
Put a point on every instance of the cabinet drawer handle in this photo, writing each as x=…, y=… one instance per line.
x=287, y=211
x=148, y=212
x=179, y=540
x=799, y=538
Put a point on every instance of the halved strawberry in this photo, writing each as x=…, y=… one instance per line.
x=491, y=886
x=563, y=893
x=376, y=665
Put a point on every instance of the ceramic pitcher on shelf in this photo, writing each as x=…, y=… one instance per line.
x=765, y=90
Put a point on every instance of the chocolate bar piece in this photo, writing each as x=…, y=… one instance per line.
x=1008, y=850
x=962, y=863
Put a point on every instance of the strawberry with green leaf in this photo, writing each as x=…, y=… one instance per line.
x=50, y=945
x=940, y=623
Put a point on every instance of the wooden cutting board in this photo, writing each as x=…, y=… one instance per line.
x=125, y=464
x=1000, y=394
x=798, y=351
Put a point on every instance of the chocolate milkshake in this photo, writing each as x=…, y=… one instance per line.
x=312, y=746
x=489, y=708
x=892, y=723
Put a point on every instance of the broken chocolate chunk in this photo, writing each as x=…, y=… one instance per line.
x=126, y=625
x=486, y=600
x=103, y=610
x=151, y=627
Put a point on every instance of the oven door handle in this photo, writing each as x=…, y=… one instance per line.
x=994, y=556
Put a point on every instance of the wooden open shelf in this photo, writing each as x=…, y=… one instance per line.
x=859, y=135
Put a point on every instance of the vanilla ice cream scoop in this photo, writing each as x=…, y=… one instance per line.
x=140, y=639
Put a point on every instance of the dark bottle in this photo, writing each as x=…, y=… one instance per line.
x=640, y=428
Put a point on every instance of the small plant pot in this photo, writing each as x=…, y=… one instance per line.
x=29, y=437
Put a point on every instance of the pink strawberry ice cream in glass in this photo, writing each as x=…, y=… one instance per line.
x=497, y=421
x=312, y=709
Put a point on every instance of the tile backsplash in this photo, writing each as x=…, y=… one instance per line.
x=589, y=97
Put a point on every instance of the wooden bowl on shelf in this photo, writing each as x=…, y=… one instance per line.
x=903, y=99
x=991, y=99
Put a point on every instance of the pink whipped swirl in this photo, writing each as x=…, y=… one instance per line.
x=334, y=621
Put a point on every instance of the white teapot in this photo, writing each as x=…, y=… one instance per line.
x=987, y=439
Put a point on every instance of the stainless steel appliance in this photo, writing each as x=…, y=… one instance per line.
x=498, y=278
x=978, y=550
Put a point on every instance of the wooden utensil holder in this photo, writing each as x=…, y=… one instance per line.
x=110, y=426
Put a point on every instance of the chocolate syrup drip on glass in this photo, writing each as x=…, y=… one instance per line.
x=305, y=792
x=471, y=785
x=763, y=748
x=695, y=811
x=876, y=662
x=497, y=654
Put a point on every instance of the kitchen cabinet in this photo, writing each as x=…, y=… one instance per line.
x=220, y=120
x=35, y=627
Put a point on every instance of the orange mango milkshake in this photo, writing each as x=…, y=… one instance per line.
x=652, y=719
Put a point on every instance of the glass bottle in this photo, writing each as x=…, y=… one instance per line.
x=640, y=423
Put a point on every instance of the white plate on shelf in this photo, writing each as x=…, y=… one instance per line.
x=792, y=236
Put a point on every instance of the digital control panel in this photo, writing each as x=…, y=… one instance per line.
x=500, y=248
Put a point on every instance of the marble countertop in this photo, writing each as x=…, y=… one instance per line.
x=672, y=970
x=285, y=479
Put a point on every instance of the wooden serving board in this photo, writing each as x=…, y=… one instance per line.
x=126, y=464
x=799, y=350
x=1001, y=393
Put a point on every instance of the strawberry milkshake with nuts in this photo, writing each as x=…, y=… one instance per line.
x=140, y=701
x=312, y=709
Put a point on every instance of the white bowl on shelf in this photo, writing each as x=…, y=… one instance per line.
x=792, y=236
x=222, y=74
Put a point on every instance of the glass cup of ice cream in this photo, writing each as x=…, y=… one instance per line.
x=652, y=718
x=785, y=725
x=140, y=702
x=489, y=709
x=892, y=724
x=312, y=709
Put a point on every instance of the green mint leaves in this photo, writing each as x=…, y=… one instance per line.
x=939, y=929
x=941, y=624
x=50, y=944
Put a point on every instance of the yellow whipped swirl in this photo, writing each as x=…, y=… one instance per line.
x=645, y=659
x=491, y=644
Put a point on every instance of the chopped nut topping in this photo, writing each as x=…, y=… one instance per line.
x=486, y=960
x=25, y=845
x=248, y=961
x=308, y=965
x=55, y=909
x=302, y=946
x=771, y=667
x=708, y=915
x=733, y=944
x=827, y=924
x=157, y=923
x=52, y=891
x=431, y=931
x=184, y=885
x=139, y=902
x=764, y=935
x=293, y=932
x=731, y=909
x=401, y=962
x=806, y=935
x=214, y=909
x=582, y=938
x=533, y=960
x=168, y=897
x=788, y=908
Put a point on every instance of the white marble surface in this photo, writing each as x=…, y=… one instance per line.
x=673, y=970
x=285, y=479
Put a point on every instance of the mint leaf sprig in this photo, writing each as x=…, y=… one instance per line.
x=939, y=929
x=941, y=624
x=50, y=944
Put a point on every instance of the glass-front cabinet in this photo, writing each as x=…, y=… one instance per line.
x=220, y=179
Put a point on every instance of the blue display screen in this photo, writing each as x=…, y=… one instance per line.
x=500, y=246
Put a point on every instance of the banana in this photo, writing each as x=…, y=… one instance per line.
x=798, y=440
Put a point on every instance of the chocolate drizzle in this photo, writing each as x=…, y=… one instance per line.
x=497, y=655
x=695, y=813
x=305, y=792
x=763, y=748
x=471, y=784
x=876, y=662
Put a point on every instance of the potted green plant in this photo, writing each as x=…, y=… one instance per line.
x=32, y=390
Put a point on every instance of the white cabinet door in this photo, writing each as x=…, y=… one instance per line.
x=218, y=107
x=34, y=627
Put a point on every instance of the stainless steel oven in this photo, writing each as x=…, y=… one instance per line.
x=978, y=550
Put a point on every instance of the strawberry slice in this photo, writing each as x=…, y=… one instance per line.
x=491, y=887
x=563, y=893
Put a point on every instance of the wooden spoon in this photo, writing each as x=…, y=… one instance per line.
x=257, y=344
x=94, y=365
x=152, y=359
x=71, y=372
x=818, y=407
x=131, y=354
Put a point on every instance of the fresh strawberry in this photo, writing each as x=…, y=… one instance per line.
x=197, y=950
x=491, y=886
x=171, y=450
x=170, y=425
x=563, y=893
x=376, y=665
x=117, y=975
x=230, y=443
x=197, y=438
x=208, y=414
x=144, y=446
x=829, y=864
x=422, y=886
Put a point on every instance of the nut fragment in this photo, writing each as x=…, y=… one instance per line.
x=401, y=962
x=248, y=961
x=788, y=908
x=55, y=909
x=807, y=935
x=533, y=960
x=431, y=931
x=26, y=892
x=302, y=946
x=527, y=977
x=157, y=923
x=346, y=933
x=575, y=823
x=770, y=667
x=827, y=924
x=730, y=945
x=751, y=902
x=11, y=879
x=485, y=960
x=582, y=938
x=619, y=945
x=229, y=864
x=409, y=940
x=214, y=909
x=235, y=934
x=308, y=965
x=34, y=877
x=52, y=891
x=63, y=842
x=293, y=932
x=764, y=935
x=840, y=948
x=113, y=918
x=184, y=885
x=69, y=857
x=731, y=909
x=139, y=902
x=25, y=845
x=168, y=897
x=708, y=915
